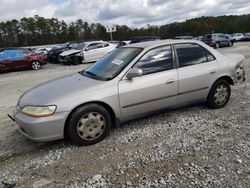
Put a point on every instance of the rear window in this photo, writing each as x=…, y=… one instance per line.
x=192, y=54
x=11, y=54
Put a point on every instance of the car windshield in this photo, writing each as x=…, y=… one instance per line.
x=73, y=45
x=81, y=46
x=65, y=44
x=109, y=66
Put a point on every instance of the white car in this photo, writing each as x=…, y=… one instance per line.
x=86, y=52
x=237, y=36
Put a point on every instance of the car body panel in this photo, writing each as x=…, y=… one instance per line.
x=138, y=98
x=195, y=81
x=128, y=98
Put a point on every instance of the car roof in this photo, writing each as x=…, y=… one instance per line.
x=151, y=44
x=95, y=41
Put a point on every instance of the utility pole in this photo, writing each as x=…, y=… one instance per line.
x=111, y=37
x=110, y=29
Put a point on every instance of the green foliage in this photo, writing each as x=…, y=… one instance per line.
x=40, y=31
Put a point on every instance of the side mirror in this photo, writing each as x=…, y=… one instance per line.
x=134, y=72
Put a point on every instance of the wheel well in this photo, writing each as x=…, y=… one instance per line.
x=106, y=106
x=227, y=78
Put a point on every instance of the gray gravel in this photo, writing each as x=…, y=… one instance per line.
x=187, y=147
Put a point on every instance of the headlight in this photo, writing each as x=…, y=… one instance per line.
x=39, y=111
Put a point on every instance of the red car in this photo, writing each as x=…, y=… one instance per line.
x=19, y=58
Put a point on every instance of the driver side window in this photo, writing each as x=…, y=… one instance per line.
x=156, y=60
x=94, y=46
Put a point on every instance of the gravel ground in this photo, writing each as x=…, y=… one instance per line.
x=187, y=147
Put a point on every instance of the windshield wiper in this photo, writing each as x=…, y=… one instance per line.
x=93, y=75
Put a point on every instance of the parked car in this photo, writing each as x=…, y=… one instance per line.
x=129, y=82
x=86, y=52
x=121, y=43
x=246, y=37
x=217, y=40
x=53, y=54
x=143, y=39
x=237, y=36
x=19, y=58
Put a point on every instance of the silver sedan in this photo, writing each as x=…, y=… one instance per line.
x=127, y=83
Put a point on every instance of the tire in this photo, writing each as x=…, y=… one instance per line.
x=217, y=45
x=219, y=94
x=35, y=65
x=230, y=44
x=89, y=124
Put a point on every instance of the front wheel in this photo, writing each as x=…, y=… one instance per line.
x=89, y=124
x=35, y=65
x=219, y=94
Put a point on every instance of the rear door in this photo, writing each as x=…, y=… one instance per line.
x=156, y=89
x=197, y=70
x=223, y=40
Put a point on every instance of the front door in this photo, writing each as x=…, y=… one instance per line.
x=156, y=89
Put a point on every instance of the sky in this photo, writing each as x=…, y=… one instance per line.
x=134, y=13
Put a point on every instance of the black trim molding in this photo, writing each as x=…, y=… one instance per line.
x=152, y=100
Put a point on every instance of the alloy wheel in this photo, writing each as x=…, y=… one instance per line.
x=35, y=65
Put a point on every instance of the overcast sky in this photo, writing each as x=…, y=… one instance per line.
x=134, y=13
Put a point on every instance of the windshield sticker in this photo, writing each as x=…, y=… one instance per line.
x=117, y=61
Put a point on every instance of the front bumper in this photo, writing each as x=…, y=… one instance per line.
x=43, y=128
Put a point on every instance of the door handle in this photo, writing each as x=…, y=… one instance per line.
x=170, y=82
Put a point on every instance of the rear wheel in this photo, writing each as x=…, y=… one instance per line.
x=217, y=45
x=35, y=65
x=219, y=94
x=89, y=124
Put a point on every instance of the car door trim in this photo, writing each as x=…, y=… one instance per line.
x=152, y=100
x=161, y=98
x=193, y=90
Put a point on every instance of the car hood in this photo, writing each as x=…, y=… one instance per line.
x=52, y=91
x=70, y=52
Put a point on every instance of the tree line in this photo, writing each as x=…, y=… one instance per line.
x=40, y=31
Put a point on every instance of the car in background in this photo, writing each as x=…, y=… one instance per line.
x=184, y=37
x=246, y=37
x=217, y=40
x=143, y=39
x=44, y=51
x=122, y=43
x=86, y=52
x=130, y=82
x=19, y=58
x=237, y=36
x=53, y=54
